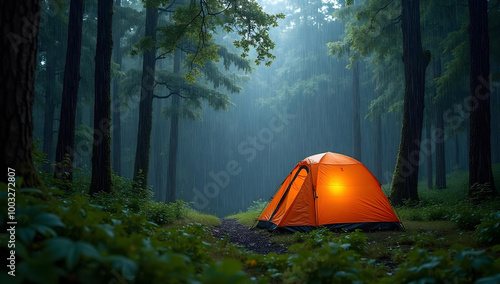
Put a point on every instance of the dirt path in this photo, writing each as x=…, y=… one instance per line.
x=253, y=240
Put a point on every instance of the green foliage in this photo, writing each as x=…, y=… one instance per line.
x=250, y=216
x=197, y=23
x=488, y=231
x=257, y=205
x=458, y=266
x=330, y=263
x=468, y=217
x=195, y=93
x=457, y=68
x=72, y=239
x=356, y=240
x=271, y=265
x=420, y=240
x=298, y=90
x=426, y=213
x=39, y=157
x=161, y=213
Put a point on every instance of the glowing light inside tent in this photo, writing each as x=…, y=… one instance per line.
x=336, y=185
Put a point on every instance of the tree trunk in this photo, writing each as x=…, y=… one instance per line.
x=356, y=124
x=457, y=151
x=79, y=112
x=440, y=150
x=378, y=148
x=48, y=125
x=19, y=38
x=66, y=136
x=378, y=153
x=101, y=150
x=440, y=146
x=430, y=180
x=117, y=139
x=405, y=179
x=141, y=165
x=174, y=138
x=481, y=184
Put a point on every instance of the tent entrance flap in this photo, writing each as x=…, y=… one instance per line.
x=303, y=167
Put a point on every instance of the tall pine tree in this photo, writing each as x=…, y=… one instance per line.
x=18, y=46
x=66, y=135
x=481, y=183
x=101, y=149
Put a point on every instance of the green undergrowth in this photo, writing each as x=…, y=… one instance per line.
x=451, y=204
x=447, y=239
x=126, y=237
x=249, y=217
x=88, y=240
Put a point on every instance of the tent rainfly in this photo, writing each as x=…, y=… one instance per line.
x=329, y=190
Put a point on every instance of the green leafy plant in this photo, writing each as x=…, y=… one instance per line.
x=488, y=231
x=331, y=263
x=457, y=266
x=468, y=217
x=356, y=240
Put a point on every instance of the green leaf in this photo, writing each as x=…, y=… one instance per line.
x=44, y=230
x=127, y=266
x=26, y=234
x=30, y=190
x=48, y=219
x=490, y=279
x=58, y=248
x=108, y=229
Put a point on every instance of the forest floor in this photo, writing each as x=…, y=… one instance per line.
x=253, y=240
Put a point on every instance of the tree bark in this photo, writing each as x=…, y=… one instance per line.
x=378, y=151
x=481, y=183
x=19, y=38
x=457, y=151
x=174, y=138
x=141, y=165
x=378, y=148
x=117, y=140
x=48, y=124
x=101, y=150
x=71, y=82
x=440, y=146
x=356, y=124
x=430, y=177
x=405, y=179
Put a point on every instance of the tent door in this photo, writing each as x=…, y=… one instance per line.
x=303, y=167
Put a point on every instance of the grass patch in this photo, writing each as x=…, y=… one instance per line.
x=249, y=217
x=196, y=217
x=245, y=218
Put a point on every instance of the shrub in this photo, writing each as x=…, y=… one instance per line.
x=162, y=214
x=421, y=240
x=437, y=213
x=355, y=240
x=411, y=213
x=64, y=240
x=488, y=231
x=331, y=263
x=468, y=218
x=257, y=205
x=458, y=266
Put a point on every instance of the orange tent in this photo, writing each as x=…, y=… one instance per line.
x=330, y=190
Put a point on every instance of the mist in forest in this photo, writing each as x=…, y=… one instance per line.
x=229, y=135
